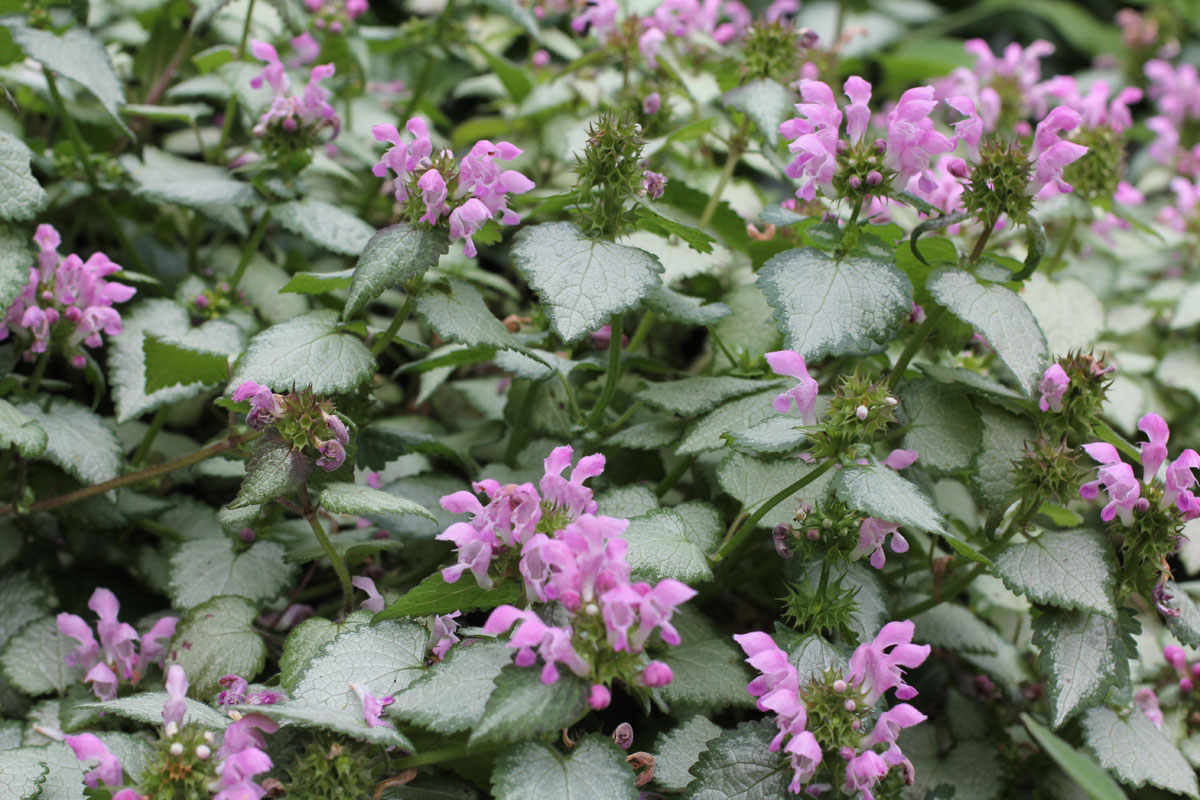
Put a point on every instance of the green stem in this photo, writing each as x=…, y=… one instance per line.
x=89, y=172
x=386, y=337
x=616, y=424
x=981, y=242
x=643, y=330
x=39, y=371
x=1105, y=432
x=139, y=456
x=136, y=477
x=914, y=344
x=734, y=539
x=249, y=249
x=430, y=62
x=339, y=565
x=735, y=153
x=431, y=757
x=612, y=375
x=950, y=591
x=671, y=478
x=232, y=104
x=1060, y=250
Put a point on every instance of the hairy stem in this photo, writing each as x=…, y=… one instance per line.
x=386, y=337
x=232, y=104
x=143, y=450
x=339, y=565
x=671, y=478
x=914, y=345
x=612, y=375
x=39, y=371
x=1064, y=241
x=430, y=62
x=735, y=538
x=731, y=162
x=249, y=249
x=136, y=477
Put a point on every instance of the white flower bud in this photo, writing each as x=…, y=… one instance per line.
x=861, y=412
x=176, y=749
x=839, y=685
x=891, y=401
x=203, y=752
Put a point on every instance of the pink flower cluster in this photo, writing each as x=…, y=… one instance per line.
x=875, y=668
x=1124, y=490
x=242, y=756
x=570, y=555
x=119, y=641
x=1175, y=91
x=872, y=534
x=1016, y=75
x=335, y=15
x=288, y=112
x=69, y=289
x=268, y=408
x=469, y=192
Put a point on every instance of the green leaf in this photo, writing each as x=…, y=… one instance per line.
x=739, y=765
x=773, y=435
x=1035, y=247
x=647, y=435
x=826, y=306
x=648, y=219
x=21, y=432
x=1097, y=783
x=692, y=396
x=1137, y=752
x=1003, y=441
x=309, y=350
x=77, y=55
x=77, y=440
x=21, y=778
x=170, y=364
x=15, y=260
x=218, y=638
x=64, y=780
x=522, y=707
x=594, y=770
x=434, y=596
x=1000, y=317
x=273, y=471
x=21, y=196
x=1068, y=569
x=516, y=12
x=33, y=660
x=814, y=655
x=348, y=721
x=354, y=548
x=580, y=281
x=936, y=223
x=766, y=102
x=307, y=639
x=169, y=321
x=350, y=498
x=628, y=501
x=393, y=255
x=383, y=659
x=707, y=665
x=753, y=481
x=707, y=433
x=1186, y=624
x=882, y=493
x=515, y=79
x=164, y=178
x=460, y=315
x=317, y=283
x=663, y=545
x=943, y=425
x=23, y=600
x=206, y=568
x=451, y=695
x=685, y=309
x=147, y=707
x=956, y=629
x=676, y=750
x=1083, y=655
x=324, y=225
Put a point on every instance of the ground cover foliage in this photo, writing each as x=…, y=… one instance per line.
x=547, y=399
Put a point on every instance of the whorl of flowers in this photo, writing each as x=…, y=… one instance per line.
x=114, y=659
x=1175, y=91
x=68, y=297
x=335, y=15
x=1011, y=80
x=299, y=418
x=568, y=554
x=831, y=714
x=467, y=191
x=306, y=114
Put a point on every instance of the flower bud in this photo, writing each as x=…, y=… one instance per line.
x=176, y=749
x=839, y=685
x=855, y=182
x=874, y=178
x=623, y=735
x=846, y=753
x=957, y=167
x=203, y=752
x=861, y=412
x=849, y=705
x=881, y=145
x=600, y=697
x=813, y=534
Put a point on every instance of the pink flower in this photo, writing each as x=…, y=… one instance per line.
x=656, y=674
x=791, y=364
x=912, y=138
x=653, y=184
x=1053, y=387
x=900, y=459
x=373, y=706
x=969, y=129
x=815, y=140
x=805, y=755
x=656, y=609
x=88, y=747
x=307, y=49
x=176, y=706
x=1153, y=452
x=569, y=497
x=86, y=654
x=532, y=638
x=888, y=727
x=648, y=44
x=541, y=58
x=374, y=601
x=652, y=104
x=433, y=195
x=465, y=222
x=265, y=406
x=872, y=534
x=599, y=697
x=1179, y=480
x=118, y=639
x=481, y=176
x=154, y=641
x=1147, y=701
x=104, y=681
x=444, y=633
x=875, y=666
x=333, y=454
x=777, y=687
x=600, y=15
x=863, y=771
x=1117, y=478
x=1052, y=154
x=273, y=72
